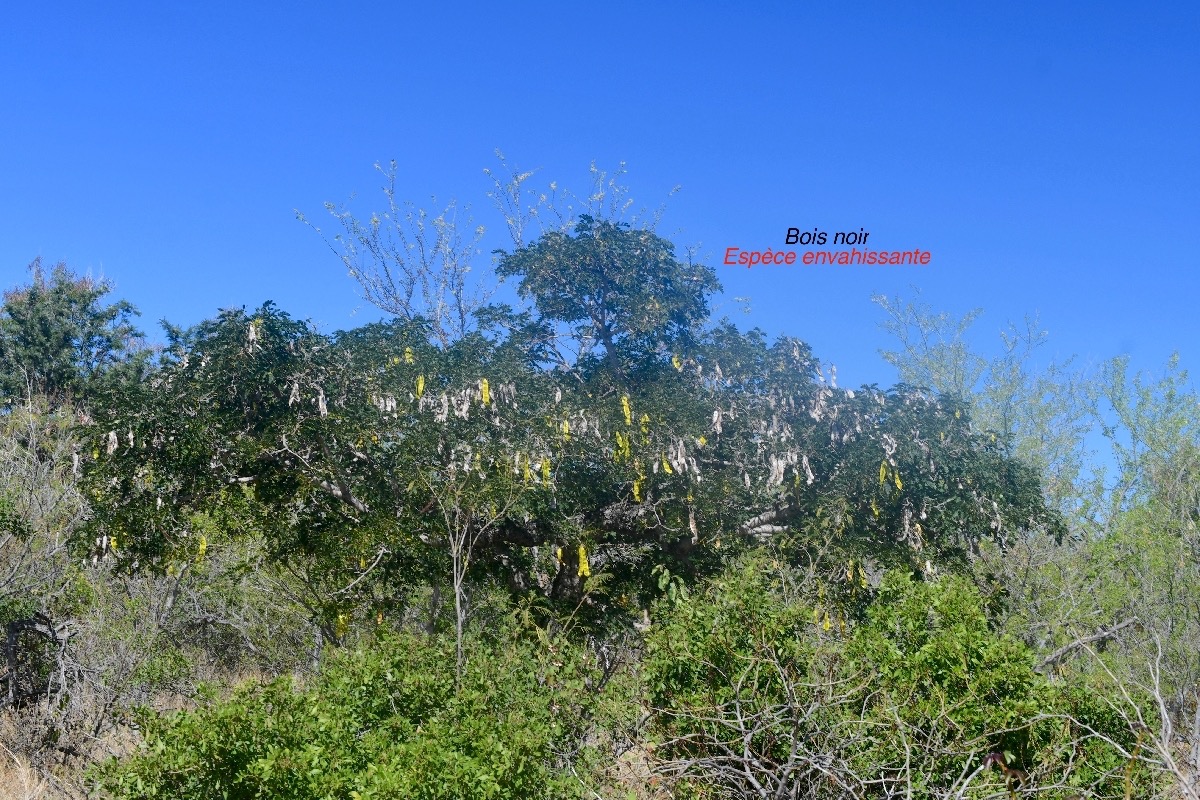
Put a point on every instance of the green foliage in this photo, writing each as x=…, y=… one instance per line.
x=11, y=520
x=1141, y=581
x=621, y=287
x=1040, y=414
x=384, y=722
x=751, y=685
x=266, y=489
x=373, y=459
x=938, y=664
x=59, y=340
x=1153, y=427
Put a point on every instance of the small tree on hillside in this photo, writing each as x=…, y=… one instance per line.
x=57, y=336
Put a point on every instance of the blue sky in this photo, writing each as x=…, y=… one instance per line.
x=1046, y=154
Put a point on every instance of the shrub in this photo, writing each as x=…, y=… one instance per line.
x=756, y=693
x=383, y=722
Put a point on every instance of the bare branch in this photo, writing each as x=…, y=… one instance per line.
x=1067, y=649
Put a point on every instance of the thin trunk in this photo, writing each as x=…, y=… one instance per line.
x=460, y=556
x=459, y=611
x=1194, y=778
x=318, y=646
x=435, y=605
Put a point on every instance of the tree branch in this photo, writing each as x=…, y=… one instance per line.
x=1067, y=649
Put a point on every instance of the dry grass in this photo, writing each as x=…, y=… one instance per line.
x=632, y=776
x=20, y=781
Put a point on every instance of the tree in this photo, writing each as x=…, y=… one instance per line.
x=373, y=459
x=79, y=645
x=411, y=262
x=1040, y=416
x=59, y=340
x=620, y=288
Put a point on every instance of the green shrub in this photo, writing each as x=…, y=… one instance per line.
x=755, y=691
x=386, y=722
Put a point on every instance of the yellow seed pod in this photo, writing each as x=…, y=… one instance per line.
x=637, y=491
x=676, y=363
x=627, y=409
x=202, y=548
x=585, y=570
x=874, y=507
x=420, y=386
x=666, y=465
x=957, y=414
x=112, y=542
x=850, y=571
x=362, y=562
x=558, y=554
x=899, y=483
x=408, y=356
x=566, y=430
x=623, y=446
x=528, y=474
x=882, y=472
x=645, y=420
x=545, y=469
x=828, y=624
x=342, y=625
x=486, y=391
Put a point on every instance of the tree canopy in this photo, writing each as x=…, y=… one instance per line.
x=373, y=449
x=58, y=339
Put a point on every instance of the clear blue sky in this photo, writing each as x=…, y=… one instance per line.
x=1046, y=154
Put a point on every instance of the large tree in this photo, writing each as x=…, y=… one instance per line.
x=382, y=455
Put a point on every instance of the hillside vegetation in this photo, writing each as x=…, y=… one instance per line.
x=599, y=545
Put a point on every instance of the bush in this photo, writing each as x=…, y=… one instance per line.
x=384, y=722
x=756, y=693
